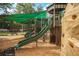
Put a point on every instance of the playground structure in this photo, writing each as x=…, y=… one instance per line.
x=40, y=26
x=70, y=28
x=57, y=10
x=38, y=23
x=70, y=31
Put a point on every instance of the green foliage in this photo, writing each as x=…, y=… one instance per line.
x=4, y=6
x=24, y=8
x=14, y=26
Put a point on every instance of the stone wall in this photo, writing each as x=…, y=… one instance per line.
x=70, y=31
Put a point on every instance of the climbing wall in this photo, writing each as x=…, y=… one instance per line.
x=70, y=31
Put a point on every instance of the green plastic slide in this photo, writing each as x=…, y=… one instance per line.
x=34, y=37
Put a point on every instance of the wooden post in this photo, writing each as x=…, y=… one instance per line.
x=22, y=28
x=54, y=17
x=35, y=33
x=41, y=23
x=52, y=29
x=36, y=43
x=55, y=25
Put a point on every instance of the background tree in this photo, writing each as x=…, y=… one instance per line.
x=5, y=6
x=40, y=8
x=24, y=8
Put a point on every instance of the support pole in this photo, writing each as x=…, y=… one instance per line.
x=54, y=17
x=35, y=34
x=41, y=29
x=55, y=25
x=22, y=28
x=41, y=23
x=52, y=29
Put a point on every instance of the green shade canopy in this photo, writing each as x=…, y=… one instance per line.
x=25, y=17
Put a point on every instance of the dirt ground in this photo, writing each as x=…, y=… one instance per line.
x=42, y=48
x=8, y=41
